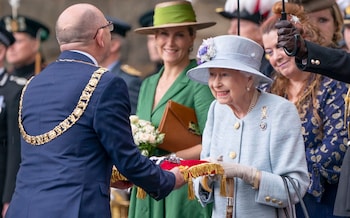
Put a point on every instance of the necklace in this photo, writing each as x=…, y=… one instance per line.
x=75, y=61
x=253, y=101
x=67, y=123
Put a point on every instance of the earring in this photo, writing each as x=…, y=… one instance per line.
x=248, y=89
x=190, y=49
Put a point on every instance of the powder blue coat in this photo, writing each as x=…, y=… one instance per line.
x=268, y=138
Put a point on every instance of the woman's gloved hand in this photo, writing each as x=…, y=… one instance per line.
x=248, y=174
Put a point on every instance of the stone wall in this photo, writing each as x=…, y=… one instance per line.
x=136, y=55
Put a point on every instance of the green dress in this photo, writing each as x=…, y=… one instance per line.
x=191, y=94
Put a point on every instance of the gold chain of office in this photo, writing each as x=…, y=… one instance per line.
x=70, y=120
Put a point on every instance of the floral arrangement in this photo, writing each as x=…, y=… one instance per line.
x=206, y=51
x=146, y=136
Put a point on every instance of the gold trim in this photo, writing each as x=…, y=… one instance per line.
x=70, y=120
x=347, y=114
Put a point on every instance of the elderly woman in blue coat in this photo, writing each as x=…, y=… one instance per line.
x=254, y=135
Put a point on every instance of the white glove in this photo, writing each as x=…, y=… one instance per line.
x=246, y=173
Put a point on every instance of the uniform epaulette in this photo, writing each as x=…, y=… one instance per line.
x=19, y=80
x=3, y=80
x=131, y=70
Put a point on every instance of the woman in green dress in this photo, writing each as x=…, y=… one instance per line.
x=175, y=31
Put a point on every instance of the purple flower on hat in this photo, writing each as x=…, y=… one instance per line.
x=206, y=51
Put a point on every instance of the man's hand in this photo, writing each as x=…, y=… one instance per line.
x=179, y=177
x=290, y=40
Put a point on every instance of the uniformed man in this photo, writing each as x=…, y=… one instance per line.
x=23, y=56
x=146, y=20
x=131, y=76
x=6, y=39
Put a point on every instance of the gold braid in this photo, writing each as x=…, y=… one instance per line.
x=347, y=112
x=70, y=120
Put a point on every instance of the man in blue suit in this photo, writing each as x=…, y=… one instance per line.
x=131, y=76
x=74, y=120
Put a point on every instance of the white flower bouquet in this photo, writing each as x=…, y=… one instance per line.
x=146, y=136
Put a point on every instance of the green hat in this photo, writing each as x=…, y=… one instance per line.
x=174, y=14
x=25, y=24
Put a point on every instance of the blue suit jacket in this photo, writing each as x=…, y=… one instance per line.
x=70, y=176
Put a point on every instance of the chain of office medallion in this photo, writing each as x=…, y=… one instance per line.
x=70, y=120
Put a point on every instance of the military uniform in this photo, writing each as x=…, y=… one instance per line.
x=131, y=76
x=6, y=112
x=10, y=88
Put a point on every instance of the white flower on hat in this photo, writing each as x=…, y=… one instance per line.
x=206, y=51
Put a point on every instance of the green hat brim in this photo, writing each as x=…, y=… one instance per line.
x=152, y=30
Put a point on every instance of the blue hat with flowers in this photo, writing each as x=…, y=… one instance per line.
x=229, y=52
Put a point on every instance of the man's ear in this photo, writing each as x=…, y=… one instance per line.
x=99, y=39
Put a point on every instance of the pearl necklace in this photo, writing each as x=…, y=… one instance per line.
x=254, y=100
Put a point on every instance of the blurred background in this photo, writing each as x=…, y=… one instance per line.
x=135, y=52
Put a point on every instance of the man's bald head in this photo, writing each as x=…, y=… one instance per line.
x=78, y=23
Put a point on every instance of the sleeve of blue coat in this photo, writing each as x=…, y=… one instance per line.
x=204, y=197
x=113, y=127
